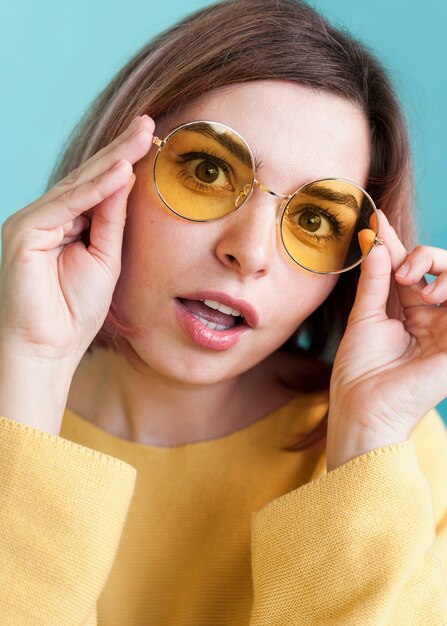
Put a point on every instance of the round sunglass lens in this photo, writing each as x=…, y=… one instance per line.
x=204, y=171
x=323, y=227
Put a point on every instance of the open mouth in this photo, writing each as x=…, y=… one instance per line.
x=214, y=315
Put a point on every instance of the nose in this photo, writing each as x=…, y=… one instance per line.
x=248, y=240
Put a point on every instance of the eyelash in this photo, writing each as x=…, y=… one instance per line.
x=220, y=161
x=213, y=156
x=337, y=224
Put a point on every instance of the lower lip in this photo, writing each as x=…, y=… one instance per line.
x=204, y=336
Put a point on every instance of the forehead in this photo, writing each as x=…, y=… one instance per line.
x=298, y=133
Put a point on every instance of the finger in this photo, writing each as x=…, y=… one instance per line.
x=107, y=228
x=105, y=236
x=69, y=205
x=73, y=230
x=131, y=145
x=425, y=260
x=409, y=294
x=374, y=282
x=76, y=226
x=66, y=240
x=437, y=290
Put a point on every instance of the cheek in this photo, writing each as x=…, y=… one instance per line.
x=302, y=294
x=157, y=243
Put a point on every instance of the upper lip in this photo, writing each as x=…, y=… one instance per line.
x=248, y=311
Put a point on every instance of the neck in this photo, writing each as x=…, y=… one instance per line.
x=151, y=409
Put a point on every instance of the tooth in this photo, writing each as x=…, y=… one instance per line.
x=210, y=324
x=225, y=309
x=213, y=304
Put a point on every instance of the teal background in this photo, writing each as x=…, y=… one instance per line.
x=56, y=57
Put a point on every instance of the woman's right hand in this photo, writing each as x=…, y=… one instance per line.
x=54, y=291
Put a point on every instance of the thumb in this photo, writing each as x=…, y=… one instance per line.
x=374, y=282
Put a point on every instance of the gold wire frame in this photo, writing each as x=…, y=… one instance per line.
x=282, y=207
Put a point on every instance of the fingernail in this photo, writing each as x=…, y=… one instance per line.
x=366, y=238
x=403, y=270
x=373, y=221
x=429, y=288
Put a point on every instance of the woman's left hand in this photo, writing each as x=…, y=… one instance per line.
x=388, y=373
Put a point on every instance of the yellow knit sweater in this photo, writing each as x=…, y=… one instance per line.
x=232, y=531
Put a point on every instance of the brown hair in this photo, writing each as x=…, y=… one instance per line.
x=270, y=39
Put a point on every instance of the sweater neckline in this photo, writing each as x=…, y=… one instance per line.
x=286, y=409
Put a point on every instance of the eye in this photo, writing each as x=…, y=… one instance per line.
x=315, y=219
x=207, y=171
x=311, y=221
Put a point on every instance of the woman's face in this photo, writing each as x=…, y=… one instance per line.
x=299, y=136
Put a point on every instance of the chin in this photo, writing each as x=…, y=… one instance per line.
x=183, y=367
x=197, y=373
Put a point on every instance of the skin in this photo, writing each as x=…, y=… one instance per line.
x=175, y=391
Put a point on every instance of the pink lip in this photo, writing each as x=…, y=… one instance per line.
x=248, y=312
x=202, y=335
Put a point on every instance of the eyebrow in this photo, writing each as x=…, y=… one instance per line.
x=323, y=193
x=238, y=151
x=226, y=142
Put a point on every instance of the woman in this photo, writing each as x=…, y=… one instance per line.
x=176, y=459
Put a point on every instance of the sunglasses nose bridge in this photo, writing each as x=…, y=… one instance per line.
x=281, y=205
